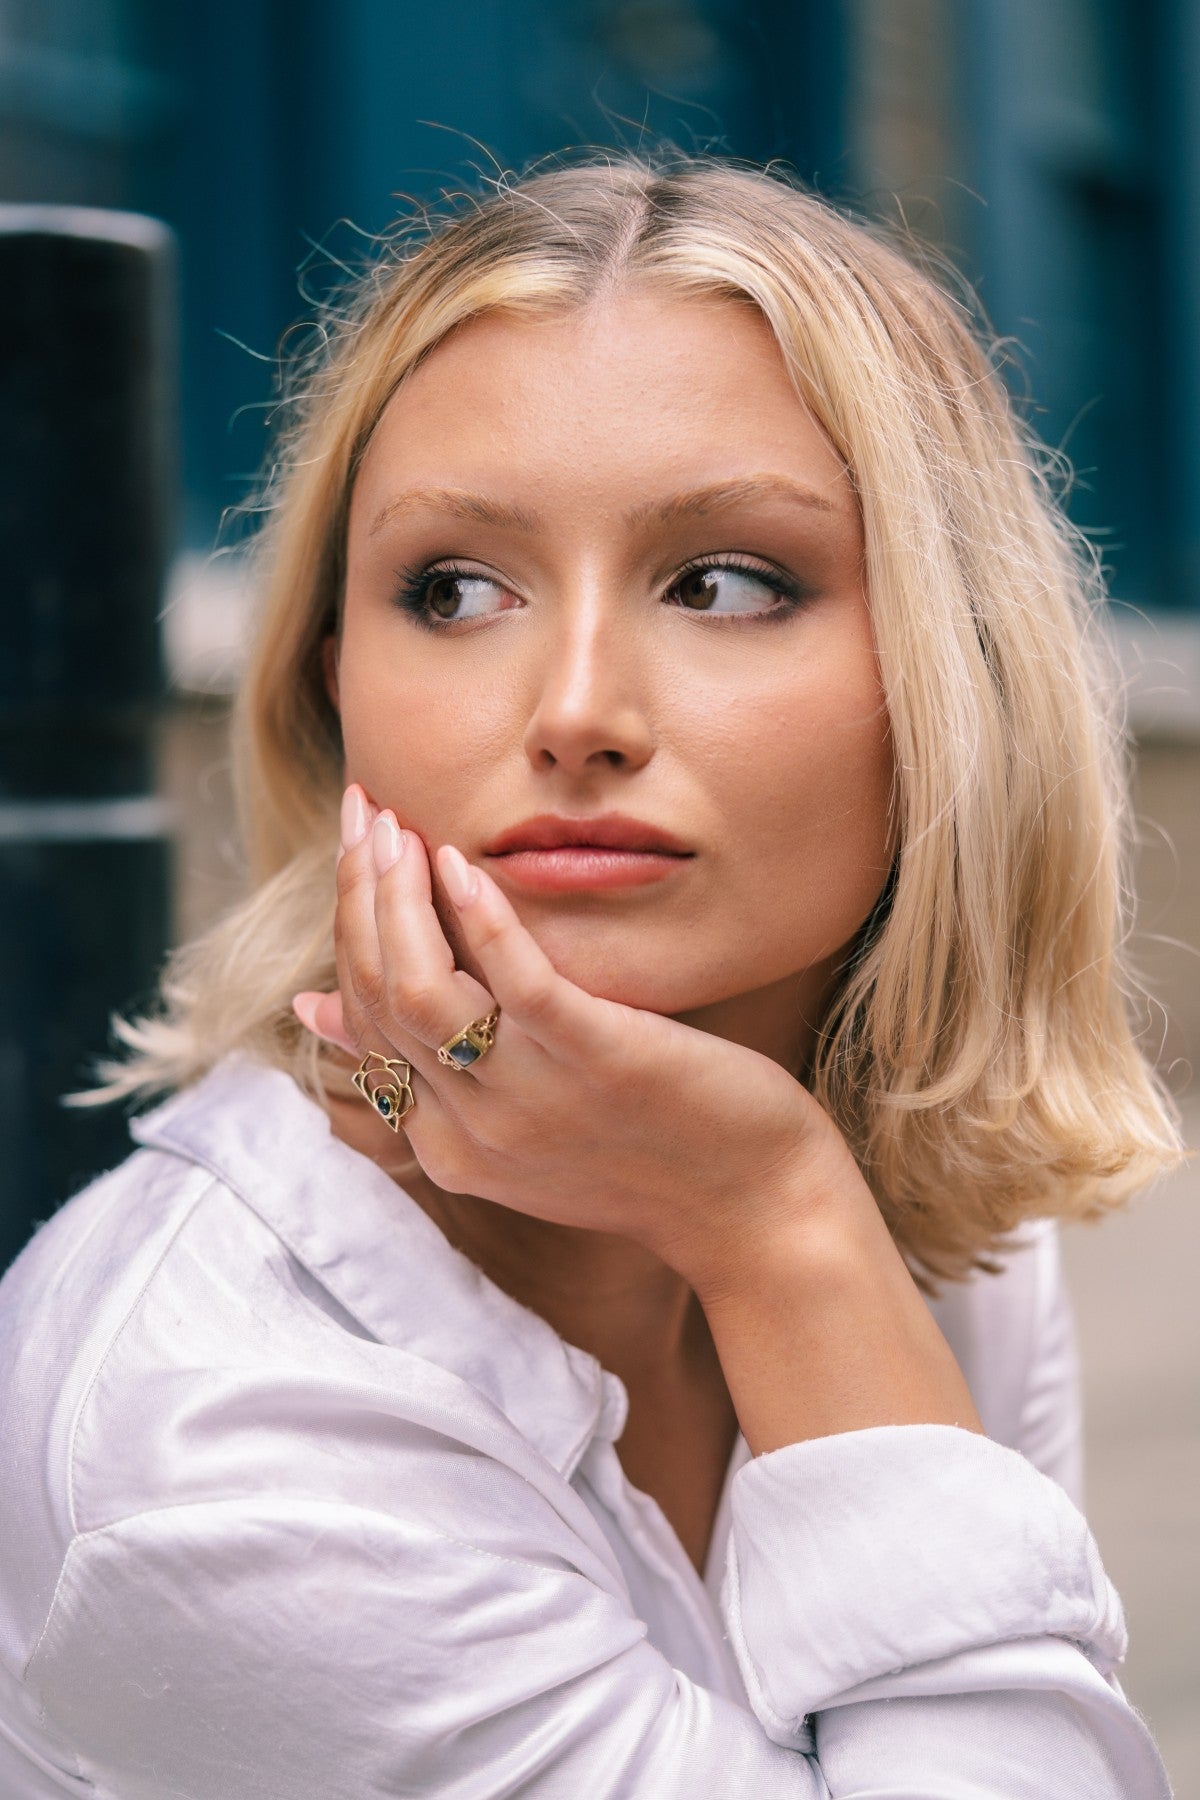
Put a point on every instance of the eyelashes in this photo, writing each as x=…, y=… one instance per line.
x=445, y=593
x=435, y=596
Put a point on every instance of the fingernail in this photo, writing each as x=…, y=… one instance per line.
x=387, y=843
x=354, y=817
x=461, y=880
x=305, y=1008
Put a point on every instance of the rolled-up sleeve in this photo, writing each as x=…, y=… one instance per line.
x=930, y=1566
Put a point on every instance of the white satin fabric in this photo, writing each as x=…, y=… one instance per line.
x=297, y=1505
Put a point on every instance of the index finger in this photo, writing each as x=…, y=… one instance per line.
x=558, y=1015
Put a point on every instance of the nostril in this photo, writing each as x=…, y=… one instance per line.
x=574, y=736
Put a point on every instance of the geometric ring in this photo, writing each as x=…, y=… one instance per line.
x=385, y=1084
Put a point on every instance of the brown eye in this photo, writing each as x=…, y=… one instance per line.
x=443, y=596
x=434, y=597
x=699, y=589
x=726, y=591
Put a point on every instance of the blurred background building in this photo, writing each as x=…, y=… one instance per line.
x=1050, y=147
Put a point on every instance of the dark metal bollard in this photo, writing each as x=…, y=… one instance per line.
x=87, y=476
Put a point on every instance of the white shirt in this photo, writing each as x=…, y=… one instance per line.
x=297, y=1505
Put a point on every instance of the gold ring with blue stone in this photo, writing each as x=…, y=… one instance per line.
x=469, y=1044
x=386, y=1084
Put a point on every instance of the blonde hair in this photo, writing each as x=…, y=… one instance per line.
x=977, y=1055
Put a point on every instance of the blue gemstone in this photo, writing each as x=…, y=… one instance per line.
x=384, y=1106
x=464, y=1054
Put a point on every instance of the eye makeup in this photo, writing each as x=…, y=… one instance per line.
x=442, y=593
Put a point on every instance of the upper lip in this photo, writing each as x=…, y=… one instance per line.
x=613, y=831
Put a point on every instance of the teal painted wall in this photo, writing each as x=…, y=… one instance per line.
x=255, y=128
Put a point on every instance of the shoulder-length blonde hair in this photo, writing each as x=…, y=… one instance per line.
x=977, y=1054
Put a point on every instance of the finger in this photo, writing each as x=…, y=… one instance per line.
x=434, y=1136
x=431, y=999
x=553, y=1011
x=358, y=815
x=356, y=944
x=368, y=1015
x=346, y=1024
x=322, y=1015
x=428, y=1125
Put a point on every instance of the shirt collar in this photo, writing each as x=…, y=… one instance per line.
x=382, y=1257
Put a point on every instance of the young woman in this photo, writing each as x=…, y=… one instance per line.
x=724, y=948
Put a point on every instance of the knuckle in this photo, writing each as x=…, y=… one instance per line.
x=537, y=1001
x=491, y=933
x=489, y=1143
x=415, y=1003
x=447, y=1167
x=617, y=1083
x=350, y=875
x=371, y=989
x=620, y=1075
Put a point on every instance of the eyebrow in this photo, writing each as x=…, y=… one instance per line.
x=716, y=497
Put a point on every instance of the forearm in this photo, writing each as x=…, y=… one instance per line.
x=920, y=1606
x=820, y=1327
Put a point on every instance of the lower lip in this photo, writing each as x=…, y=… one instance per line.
x=575, y=868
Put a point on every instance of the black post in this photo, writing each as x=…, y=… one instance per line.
x=87, y=481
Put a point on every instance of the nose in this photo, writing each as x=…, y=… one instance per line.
x=591, y=701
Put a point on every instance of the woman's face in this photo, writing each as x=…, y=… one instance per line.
x=606, y=563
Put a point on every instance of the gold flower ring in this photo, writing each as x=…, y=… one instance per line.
x=386, y=1084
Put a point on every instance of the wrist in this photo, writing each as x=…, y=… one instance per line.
x=805, y=1224
x=820, y=1327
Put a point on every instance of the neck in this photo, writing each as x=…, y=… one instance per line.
x=602, y=1293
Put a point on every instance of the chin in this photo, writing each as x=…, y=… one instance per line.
x=652, y=982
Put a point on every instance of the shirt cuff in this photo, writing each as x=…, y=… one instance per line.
x=861, y=1555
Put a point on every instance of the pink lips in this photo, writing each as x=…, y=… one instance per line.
x=550, y=854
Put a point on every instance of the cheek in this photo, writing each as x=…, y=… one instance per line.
x=815, y=821
x=410, y=738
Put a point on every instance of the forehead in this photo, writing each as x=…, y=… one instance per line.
x=643, y=386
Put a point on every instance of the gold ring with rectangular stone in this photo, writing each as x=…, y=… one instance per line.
x=468, y=1045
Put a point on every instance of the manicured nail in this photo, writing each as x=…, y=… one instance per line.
x=355, y=819
x=387, y=842
x=462, y=881
x=305, y=1008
